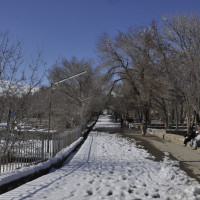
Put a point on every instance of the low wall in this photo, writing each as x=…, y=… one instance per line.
x=161, y=133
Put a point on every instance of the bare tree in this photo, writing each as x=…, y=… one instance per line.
x=73, y=100
x=132, y=57
x=183, y=33
x=16, y=85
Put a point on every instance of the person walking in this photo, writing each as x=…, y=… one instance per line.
x=122, y=122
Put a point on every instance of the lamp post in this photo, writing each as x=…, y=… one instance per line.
x=82, y=107
x=50, y=96
x=81, y=100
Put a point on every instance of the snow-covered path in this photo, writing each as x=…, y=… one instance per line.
x=110, y=167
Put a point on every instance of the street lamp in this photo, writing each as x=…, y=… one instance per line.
x=51, y=87
x=82, y=107
x=81, y=100
x=70, y=77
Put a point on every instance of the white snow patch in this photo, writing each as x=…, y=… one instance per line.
x=106, y=121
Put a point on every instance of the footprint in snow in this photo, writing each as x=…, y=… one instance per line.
x=110, y=193
x=156, y=195
x=89, y=192
x=130, y=190
x=91, y=181
x=124, y=177
x=146, y=194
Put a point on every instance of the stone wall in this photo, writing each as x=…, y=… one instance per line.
x=161, y=133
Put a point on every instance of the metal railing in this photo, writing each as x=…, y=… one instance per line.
x=27, y=148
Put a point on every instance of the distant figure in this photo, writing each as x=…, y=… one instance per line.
x=122, y=122
x=196, y=141
x=130, y=122
x=190, y=135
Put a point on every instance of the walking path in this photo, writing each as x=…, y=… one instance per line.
x=189, y=159
x=109, y=166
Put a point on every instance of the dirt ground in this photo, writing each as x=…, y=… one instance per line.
x=188, y=158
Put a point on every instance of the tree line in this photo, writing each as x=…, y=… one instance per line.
x=25, y=101
x=155, y=70
x=146, y=71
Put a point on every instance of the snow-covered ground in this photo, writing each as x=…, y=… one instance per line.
x=108, y=166
x=105, y=121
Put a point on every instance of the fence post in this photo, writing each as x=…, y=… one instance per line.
x=42, y=147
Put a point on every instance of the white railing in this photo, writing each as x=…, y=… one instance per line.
x=28, y=148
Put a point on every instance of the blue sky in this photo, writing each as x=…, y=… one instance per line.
x=66, y=28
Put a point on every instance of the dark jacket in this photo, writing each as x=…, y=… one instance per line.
x=191, y=134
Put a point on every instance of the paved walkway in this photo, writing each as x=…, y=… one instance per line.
x=189, y=158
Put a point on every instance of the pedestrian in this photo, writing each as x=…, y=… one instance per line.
x=122, y=122
x=130, y=125
x=196, y=141
x=190, y=135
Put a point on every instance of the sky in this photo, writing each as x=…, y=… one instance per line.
x=106, y=166
x=67, y=28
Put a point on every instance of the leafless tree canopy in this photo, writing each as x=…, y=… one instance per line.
x=151, y=71
x=18, y=82
x=156, y=69
x=74, y=100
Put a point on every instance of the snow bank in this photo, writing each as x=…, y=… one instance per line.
x=10, y=176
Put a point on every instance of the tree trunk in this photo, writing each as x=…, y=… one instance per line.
x=176, y=113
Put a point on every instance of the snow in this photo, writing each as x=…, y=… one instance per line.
x=108, y=166
x=106, y=121
x=9, y=176
x=15, y=88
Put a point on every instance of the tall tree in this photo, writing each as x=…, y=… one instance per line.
x=183, y=33
x=73, y=99
x=16, y=85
